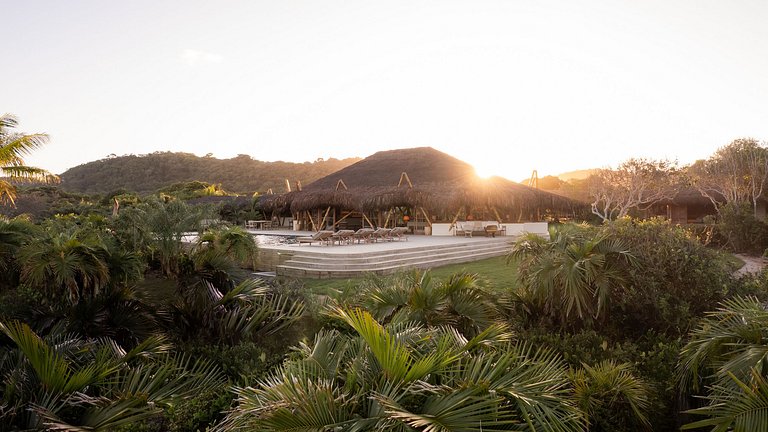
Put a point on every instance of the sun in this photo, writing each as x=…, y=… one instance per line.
x=497, y=167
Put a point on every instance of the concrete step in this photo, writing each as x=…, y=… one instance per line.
x=318, y=265
x=390, y=260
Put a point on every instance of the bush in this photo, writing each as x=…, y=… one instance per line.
x=675, y=280
x=739, y=230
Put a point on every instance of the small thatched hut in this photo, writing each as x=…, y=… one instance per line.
x=414, y=187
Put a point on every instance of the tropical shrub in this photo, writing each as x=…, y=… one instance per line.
x=739, y=230
x=725, y=362
x=69, y=383
x=572, y=278
x=612, y=397
x=406, y=377
x=414, y=296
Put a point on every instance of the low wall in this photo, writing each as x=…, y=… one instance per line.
x=512, y=229
x=269, y=259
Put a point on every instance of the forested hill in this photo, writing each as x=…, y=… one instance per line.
x=147, y=173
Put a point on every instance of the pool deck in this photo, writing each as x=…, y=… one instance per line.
x=414, y=241
x=318, y=260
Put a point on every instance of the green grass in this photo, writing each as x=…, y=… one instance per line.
x=494, y=272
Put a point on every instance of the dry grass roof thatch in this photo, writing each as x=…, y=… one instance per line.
x=440, y=182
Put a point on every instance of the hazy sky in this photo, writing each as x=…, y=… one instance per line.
x=509, y=86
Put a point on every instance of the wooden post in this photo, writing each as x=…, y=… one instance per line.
x=426, y=216
x=344, y=217
x=368, y=220
x=322, y=223
x=498, y=217
x=288, y=185
x=312, y=221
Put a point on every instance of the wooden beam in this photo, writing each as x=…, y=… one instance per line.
x=325, y=216
x=344, y=217
x=368, y=220
x=312, y=221
x=341, y=183
x=455, y=218
x=389, y=214
x=426, y=216
x=498, y=217
x=288, y=185
x=404, y=175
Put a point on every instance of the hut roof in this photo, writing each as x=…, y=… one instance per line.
x=424, y=166
x=440, y=181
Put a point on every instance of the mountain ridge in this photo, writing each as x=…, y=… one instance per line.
x=150, y=172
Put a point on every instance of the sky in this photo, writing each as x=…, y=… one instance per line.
x=509, y=86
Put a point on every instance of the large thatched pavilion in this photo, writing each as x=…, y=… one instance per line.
x=417, y=187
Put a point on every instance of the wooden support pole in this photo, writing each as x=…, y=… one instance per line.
x=325, y=216
x=368, y=220
x=426, y=216
x=312, y=221
x=389, y=213
x=455, y=218
x=344, y=217
x=498, y=217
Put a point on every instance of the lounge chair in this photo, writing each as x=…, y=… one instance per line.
x=318, y=237
x=381, y=233
x=363, y=234
x=491, y=230
x=399, y=233
x=344, y=236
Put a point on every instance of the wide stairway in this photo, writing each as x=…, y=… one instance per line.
x=319, y=265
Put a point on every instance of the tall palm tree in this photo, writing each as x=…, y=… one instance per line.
x=571, y=277
x=13, y=147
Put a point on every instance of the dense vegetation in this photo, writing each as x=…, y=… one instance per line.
x=116, y=321
x=150, y=172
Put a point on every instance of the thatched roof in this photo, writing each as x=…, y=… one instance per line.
x=440, y=182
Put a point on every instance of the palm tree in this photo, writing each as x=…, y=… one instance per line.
x=612, y=397
x=13, y=147
x=157, y=228
x=14, y=233
x=727, y=356
x=69, y=264
x=403, y=377
x=571, y=277
x=65, y=383
x=416, y=296
x=208, y=312
x=221, y=252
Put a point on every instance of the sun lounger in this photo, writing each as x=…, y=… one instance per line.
x=318, y=237
x=398, y=233
x=342, y=236
x=381, y=234
x=363, y=234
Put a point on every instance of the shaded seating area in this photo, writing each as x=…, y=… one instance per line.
x=487, y=228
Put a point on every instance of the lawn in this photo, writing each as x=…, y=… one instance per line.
x=495, y=273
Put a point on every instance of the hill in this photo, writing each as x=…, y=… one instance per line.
x=148, y=173
x=576, y=175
